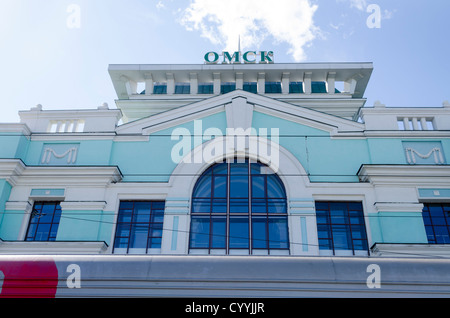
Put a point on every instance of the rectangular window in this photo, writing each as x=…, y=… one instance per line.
x=44, y=221
x=341, y=228
x=139, y=227
x=206, y=88
x=436, y=218
x=182, y=88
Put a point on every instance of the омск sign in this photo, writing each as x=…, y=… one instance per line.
x=249, y=57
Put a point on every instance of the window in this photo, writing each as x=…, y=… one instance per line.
x=139, y=227
x=295, y=88
x=436, y=218
x=206, y=88
x=227, y=87
x=160, y=89
x=341, y=228
x=251, y=87
x=239, y=208
x=44, y=222
x=273, y=87
x=182, y=88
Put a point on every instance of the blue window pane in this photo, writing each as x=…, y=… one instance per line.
x=258, y=187
x=276, y=206
x=442, y=235
x=138, y=236
x=341, y=237
x=141, y=212
x=201, y=205
x=239, y=187
x=200, y=232
x=221, y=169
x=46, y=215
x=123, y=230
x=274, y=187
x=42, y=232
x=31, y=232
x=239, y=206
x=259, y=206
x=360, y=245
x=259, y=232
x=220, y=186
x=121, y=242
x=154, y=242
x=126, y=205
x=203, y=188
x=219, y=206
x=323, y=232
x=219, y=232
x=125, y=215
x=338, y=213
x=322, y=217
x=239, y=235
x=278, y=233
x=157, y=218
x=325, y=244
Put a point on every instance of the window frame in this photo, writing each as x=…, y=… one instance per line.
x=151, y=227
x=52, y=223
x=346, y=222
x=431, y=227
x=249, y=217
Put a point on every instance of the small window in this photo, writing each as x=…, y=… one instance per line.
x=251, y=87
x=295, y=88
x=44, y=222
x=206, y=88
x=273, y=88
x=183, y=88
x=160, y=89
x=139, y=227
x=436, y=218
x=341, y=228
x=227, y=87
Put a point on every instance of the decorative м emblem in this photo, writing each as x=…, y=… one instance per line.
x=411, y=154
x=60, y=154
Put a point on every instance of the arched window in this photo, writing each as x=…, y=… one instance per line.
x=239, y=207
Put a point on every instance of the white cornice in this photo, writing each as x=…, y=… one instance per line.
x=11, y=169
x=414, y=175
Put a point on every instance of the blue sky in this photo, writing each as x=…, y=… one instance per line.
x=44, y=61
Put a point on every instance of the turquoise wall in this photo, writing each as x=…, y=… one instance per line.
x=397, y=227
x=8, y=221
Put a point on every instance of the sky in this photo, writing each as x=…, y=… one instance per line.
x=56, y=52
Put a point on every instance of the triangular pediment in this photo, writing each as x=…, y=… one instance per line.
x=239, y=106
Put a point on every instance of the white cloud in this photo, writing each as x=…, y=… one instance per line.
x=222, y=22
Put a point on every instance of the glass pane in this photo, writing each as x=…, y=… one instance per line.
x=239, y=236
x=31, y=232
x=125, y=215
x=258, y=188
x=154, y=242
x=203, y=187
x=274, y=187
x=436, y=211
x=219, y=230
x=46, y=215
x=322, y=217
x=239, y=187
x=324, y=231
x=138, y=236
x=141, y=212
x=259, y=232
x=276, y=206
x=121, y=242
x=238, y=168
x=239, y=206
x=42, y=232
x=123, y=230
x=278, y=233
x=199, y=232
x=441, y=233
x=338, y=213
x=219, y=206
x=201, y=205
x=157, y=218
x=341, y=237
x=221, y=168
x=220, y=186
x=259, y=206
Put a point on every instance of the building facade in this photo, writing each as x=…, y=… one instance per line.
x=252, y=179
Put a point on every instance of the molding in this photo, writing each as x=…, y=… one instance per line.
x=414, y=175
x=52, y=248
x=83, y=205
x=11, y=169
x=399, y=207
x=410, y=250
